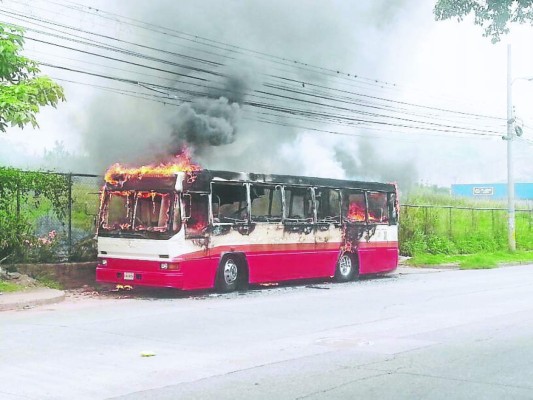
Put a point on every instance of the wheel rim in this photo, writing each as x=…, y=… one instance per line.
x=345, y=265
x=230, y=272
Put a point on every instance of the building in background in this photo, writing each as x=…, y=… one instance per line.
x=492, y=191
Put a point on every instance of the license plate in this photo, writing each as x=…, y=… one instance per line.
x=128, y=276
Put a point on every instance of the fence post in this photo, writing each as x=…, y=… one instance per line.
x=530, y=210
x=450, y=233
x=17, y=199
x=492, y=219
x=69, y=214
x=425, y=221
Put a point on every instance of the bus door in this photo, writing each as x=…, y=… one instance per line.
x=267, y=243
x=378, y=247
x=299, y=248
x=196, y=224
x=328, y=232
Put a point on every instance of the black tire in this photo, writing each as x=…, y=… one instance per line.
x=229, y=274
x=347, y=268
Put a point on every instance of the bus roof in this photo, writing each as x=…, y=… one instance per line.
x=204, y=177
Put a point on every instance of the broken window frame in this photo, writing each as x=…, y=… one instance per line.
x=153, y=193
x=336, y=220
x=212, y=201
x=287, y=208
x=345, y=205
x=273, y=190
x=104, y=218
x=194, y=197
x=385, y=209
x=392, y=199
x=177, y=220
x=126, y=230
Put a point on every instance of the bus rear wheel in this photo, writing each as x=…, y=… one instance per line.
x=229, y=274
x=347, y=268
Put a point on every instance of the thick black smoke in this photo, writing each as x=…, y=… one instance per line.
x=206, y=122
x=217, y=123
x=214, y=119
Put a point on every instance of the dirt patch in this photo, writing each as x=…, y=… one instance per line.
x=22, y=280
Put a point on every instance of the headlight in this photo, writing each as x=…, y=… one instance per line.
x=103, y=262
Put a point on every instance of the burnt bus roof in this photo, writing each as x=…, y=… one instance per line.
x=161, y=183
x=203, y=178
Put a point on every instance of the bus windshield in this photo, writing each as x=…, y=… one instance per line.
x=138, y=211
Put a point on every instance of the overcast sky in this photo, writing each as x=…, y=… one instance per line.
x=396, y=49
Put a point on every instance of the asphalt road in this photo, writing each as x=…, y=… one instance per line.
x=435, y=335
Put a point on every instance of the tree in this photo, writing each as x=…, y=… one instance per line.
x=21, y=193
x=22, y=91
x=492, y=15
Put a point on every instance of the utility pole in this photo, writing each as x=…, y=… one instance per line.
x=509, y=138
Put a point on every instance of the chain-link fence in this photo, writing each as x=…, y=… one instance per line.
x=51, y=217
x=48, y=217
x=449, y=230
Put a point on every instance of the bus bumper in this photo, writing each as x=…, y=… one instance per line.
x=186, y=275
x=140, y=278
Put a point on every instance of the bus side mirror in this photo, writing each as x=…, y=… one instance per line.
x=188, y=205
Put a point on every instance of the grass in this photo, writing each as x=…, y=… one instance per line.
x=7, y=287
x=472, y=261
x=49, y=283
x=479, y=227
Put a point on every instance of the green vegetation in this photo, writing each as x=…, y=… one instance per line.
x=436, y=228
x=22, y=91
x=85, y=204
x=473, y=261
x=493, y=16
x=6, y=287
x=35, y=213
x=49, y=283
x=22, y=194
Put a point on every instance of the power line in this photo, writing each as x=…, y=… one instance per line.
x=277, y=86
x=257, y=91
x=169, y=101
x=287, y=110
x=199, y=40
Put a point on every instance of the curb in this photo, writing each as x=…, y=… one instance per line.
x=30, y=298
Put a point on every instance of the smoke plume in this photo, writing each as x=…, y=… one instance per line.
x=369, y=163
x=215, y=119
x=206, y=122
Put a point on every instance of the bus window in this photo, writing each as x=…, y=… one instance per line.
x=176, y=220
x=378, y=210
x=152, y=211
x=266, y=203
x=196, y=224
x=354, y=206
x=393, y=211
x=298, y=204
x=230, y=203
x=328, y=203
x=118, y=210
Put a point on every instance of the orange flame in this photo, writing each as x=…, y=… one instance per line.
x=356, y=212
x=117, y=173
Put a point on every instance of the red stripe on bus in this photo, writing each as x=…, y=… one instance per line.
x=276, y=248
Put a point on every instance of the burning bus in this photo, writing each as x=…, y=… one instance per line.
x=188, y=228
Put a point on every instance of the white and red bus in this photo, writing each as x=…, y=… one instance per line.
x=217, y=229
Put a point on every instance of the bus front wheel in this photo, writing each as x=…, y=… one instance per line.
x=229, y=274
x=347, y=268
